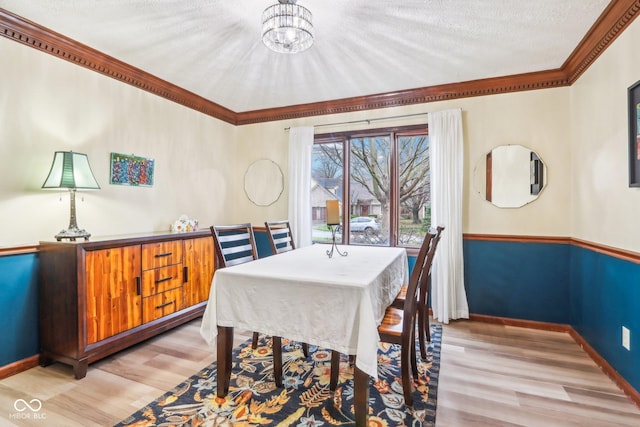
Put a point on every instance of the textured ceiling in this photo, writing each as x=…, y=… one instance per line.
x=363, y=47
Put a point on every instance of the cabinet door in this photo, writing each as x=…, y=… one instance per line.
x=113, y=291
x=198, y=262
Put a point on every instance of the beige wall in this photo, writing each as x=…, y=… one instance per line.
x=255, y=142
x=47, y=104
x=538, y=120
x=605, y=210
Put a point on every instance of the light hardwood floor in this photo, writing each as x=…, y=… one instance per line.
x=494, y=375
x=490, y=375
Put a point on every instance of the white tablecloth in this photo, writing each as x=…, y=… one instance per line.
x=303, y=295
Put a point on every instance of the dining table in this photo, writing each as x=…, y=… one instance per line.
x=335, y=303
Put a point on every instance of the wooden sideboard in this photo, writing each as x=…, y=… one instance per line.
x=100, y=296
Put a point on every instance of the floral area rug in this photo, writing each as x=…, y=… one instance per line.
x=305, y=399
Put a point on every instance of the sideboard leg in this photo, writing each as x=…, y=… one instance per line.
x=80, y=369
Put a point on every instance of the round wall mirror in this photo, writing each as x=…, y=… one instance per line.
x=510, y=176
x=263, y=182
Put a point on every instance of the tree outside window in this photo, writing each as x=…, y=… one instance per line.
x=386, y=191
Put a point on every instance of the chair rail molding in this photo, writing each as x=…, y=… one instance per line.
x=596, y=247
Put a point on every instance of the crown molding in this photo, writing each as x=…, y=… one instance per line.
x=33, y=35
x=616, y=17
x=491, y=86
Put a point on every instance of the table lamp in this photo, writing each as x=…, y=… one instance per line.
x=333, y=219
x=72, y=171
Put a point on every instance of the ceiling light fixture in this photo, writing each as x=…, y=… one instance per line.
x=287, y=27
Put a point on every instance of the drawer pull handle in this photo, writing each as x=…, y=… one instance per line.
x=138, y=285
x=163, y=254
x=164, y=305
x=164, y=279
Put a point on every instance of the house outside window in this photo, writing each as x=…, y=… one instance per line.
x=381, y=179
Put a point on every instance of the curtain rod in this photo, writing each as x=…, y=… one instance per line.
x=367, y=121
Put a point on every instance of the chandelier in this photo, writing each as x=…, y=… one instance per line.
x=287, y=27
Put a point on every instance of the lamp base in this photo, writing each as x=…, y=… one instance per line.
x=73, y=234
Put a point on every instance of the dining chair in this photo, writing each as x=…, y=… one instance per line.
x=399, y=325
x=281, y=240
x=280, y=237
x=423, y=299
x=391, y=328
x=424, y=332
x=234, y=245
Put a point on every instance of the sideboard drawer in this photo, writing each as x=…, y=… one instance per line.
x=161, y=254
x=162, y=304
x=161, y=279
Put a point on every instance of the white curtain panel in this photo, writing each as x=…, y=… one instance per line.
x=448, y=296
x=300, y=146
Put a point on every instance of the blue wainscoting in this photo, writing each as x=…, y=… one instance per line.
x=605, y=295
x=18, y=307
x=529, y=281
x=548, y=282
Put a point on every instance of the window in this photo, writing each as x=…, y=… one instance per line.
x=385, y=193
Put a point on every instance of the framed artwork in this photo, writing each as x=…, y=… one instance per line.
x=634, y=135
x=131, y=170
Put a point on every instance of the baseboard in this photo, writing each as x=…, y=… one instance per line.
x=531, y=324
x=19, y=366
x=608, y=370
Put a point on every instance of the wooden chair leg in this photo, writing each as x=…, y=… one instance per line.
x=277, y=360
x=414, y=359
x=335, y=369
x=421, y=331
x=254, y=343
x=405, y=368
x=427, y=328
x=305, y=349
